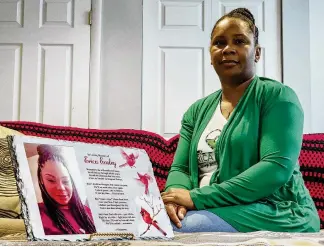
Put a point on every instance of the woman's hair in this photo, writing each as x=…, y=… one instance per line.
x=244, y=15
x=52, y=153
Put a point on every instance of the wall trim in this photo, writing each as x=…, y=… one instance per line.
x=95, y=64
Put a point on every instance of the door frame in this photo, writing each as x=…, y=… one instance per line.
x=95, y=63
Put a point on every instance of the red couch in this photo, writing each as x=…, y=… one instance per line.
x=161, y=151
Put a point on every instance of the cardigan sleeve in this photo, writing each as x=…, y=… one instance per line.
x=280, y=142
x=178, y=176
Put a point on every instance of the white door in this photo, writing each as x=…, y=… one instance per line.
x=176, y=61
x=44, y=61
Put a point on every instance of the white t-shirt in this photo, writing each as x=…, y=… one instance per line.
x=206, y=147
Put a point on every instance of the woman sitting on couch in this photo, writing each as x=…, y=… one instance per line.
x=236, y=166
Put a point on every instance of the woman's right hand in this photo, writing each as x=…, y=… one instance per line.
x=176, y=213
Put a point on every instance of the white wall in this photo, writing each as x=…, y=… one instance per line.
x=296, y=52
x=303, y=57
x=316, y=21
x=121, y=64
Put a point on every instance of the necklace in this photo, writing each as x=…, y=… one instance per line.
x=225, y=110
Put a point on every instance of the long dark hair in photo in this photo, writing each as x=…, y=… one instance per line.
x=52, y=153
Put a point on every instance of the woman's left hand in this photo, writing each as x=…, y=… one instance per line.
x=178, y=196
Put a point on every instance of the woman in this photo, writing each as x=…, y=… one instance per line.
x=62, y=211
x=236, y=165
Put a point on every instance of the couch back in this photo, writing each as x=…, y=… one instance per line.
x=311, y=160
x=161, y=151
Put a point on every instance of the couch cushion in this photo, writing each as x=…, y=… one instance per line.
x=4, y=132
x=9, y=206
x=311, y=161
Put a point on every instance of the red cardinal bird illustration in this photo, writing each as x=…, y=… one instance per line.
x=148, y=220
x=130, y=159
x=145, y=179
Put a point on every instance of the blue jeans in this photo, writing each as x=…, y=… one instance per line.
x=203, y=221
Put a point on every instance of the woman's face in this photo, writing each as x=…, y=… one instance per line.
x=232, y=49
x=57, y=182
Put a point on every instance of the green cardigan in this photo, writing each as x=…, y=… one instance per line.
x=257, y=185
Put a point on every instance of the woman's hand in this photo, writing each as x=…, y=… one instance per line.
x=176, y=213
x=180, y=197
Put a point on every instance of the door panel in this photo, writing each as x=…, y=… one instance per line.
x=175, y=58
x=49, y=44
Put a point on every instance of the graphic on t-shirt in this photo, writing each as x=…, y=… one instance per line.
x=208, y=141
x=212, y=137
x=206, y=155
